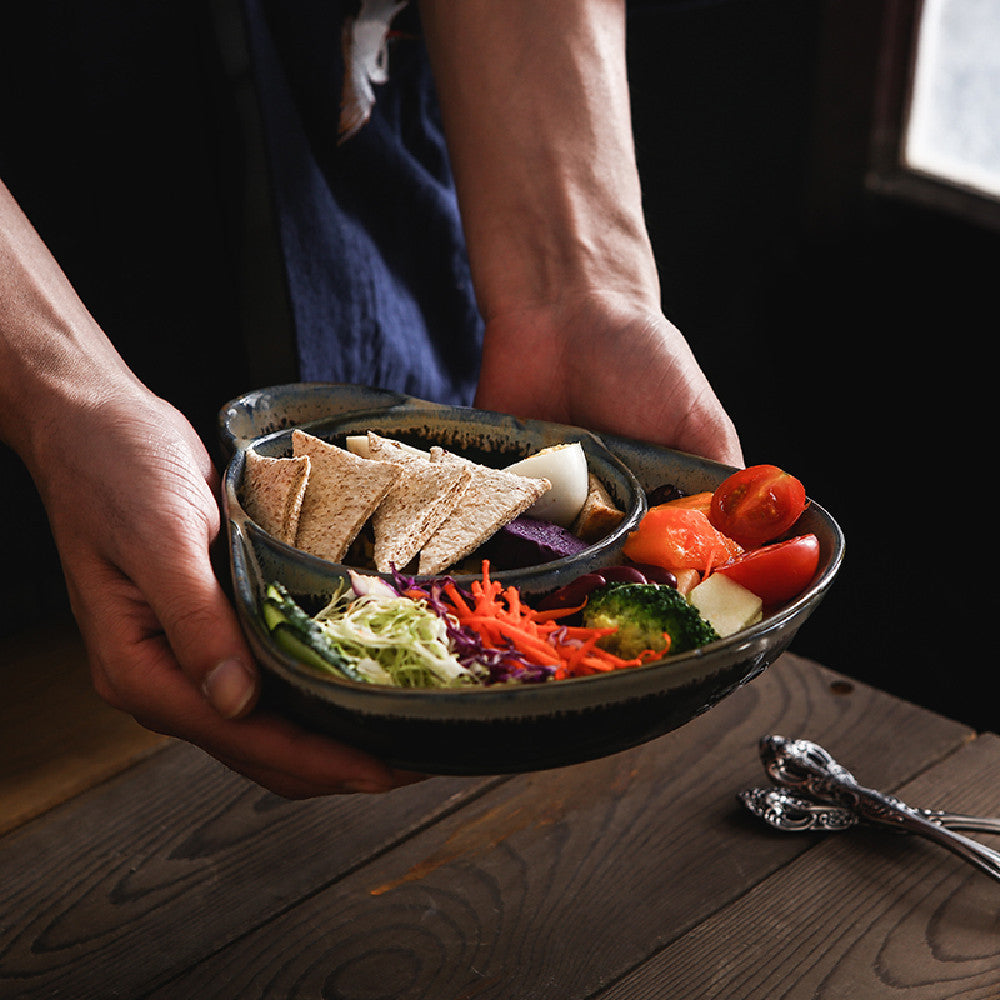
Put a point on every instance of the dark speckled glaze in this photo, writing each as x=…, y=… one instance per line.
x=502, y=729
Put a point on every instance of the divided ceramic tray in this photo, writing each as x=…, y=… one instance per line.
x=502, y=728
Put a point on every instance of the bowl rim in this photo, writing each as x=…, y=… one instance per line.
x=500, y=701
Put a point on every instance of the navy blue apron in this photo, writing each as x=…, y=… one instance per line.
x=378, y=279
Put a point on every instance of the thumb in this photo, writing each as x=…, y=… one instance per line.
x=206, y=639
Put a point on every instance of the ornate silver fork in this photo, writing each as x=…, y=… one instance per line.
x=805, y=768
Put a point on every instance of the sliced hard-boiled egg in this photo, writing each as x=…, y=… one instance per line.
x=565, y=467
x=357, y=444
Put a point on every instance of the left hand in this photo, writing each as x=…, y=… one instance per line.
x=605, y=362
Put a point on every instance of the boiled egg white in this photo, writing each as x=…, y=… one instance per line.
x=565, y=467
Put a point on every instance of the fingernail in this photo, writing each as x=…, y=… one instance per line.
x=229, y=687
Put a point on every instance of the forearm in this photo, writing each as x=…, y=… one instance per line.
x=53, y=355
x=536, y=109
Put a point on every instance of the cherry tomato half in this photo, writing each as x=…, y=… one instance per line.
x=776, y=573
x=679, y=538
x=757, y=504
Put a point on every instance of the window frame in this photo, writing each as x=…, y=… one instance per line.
x=889, y=174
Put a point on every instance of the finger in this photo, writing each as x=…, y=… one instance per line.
x=146, y=682
x=267, y=749
x=135, y=670
x=304, y=765
x=202, y=629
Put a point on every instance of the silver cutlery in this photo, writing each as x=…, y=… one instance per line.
x=779, y=808
x=805, y=768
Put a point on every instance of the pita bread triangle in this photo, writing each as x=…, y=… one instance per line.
x=342, y=493
x=492, y=499
x=273, y=490
x=391, y=450
x=415, y=507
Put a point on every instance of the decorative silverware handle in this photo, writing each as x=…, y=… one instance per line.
x=959, y=821
x=807, y=768
x=784, y=810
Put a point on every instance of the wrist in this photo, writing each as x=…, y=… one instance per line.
x=54, y=359
x=536, y=108
x=54, y=373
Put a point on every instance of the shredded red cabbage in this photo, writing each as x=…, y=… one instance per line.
x=495, y=665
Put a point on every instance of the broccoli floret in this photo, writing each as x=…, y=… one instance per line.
x=641, y=613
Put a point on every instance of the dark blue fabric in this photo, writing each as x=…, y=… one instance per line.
x=376, y=266
x=374, y=251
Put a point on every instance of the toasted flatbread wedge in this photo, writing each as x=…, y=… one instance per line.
x=361, y=445
x=384, y=449
x=417, y=505
x=599, y=516
x=342, y=493
x=492, y=499
x=273, y=489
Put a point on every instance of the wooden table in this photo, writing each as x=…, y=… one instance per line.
x=163, y=875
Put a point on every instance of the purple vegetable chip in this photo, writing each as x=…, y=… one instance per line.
x=529, y=541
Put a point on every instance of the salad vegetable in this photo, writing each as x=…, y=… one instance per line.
x=440, y=635
x=373, y=637
x=684, y=583
x=637, y=616
x=740, y=536
x=678, y=538
x=300, y=636
x=498, y=614
x=756, y=505
x=777, y=572
x=694, y=501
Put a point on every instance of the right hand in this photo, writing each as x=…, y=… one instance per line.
x=131, y=496
x=605, y=362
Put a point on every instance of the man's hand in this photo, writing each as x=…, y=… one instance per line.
x=131, y=497
x=536, y=108
x=599, y=362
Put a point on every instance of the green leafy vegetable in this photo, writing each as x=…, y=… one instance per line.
x=641, y=614
x=378, y=639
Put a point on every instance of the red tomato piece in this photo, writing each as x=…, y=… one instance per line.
x=679, y=538
x=757, y=504
x=695, y=501
x=776, y=573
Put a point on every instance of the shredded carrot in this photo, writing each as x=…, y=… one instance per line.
x=501, y=617
x=552, y=613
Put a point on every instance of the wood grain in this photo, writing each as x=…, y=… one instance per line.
x=180, y=879
x=171, y=860
x=545, y=883
x=897, y=917
x=57, y=738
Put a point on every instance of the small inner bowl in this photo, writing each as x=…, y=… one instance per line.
x=489, y=439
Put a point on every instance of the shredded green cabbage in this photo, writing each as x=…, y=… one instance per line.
x=393, y=640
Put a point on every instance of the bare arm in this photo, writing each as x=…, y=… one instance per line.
x=131, y=497
x=536, y=109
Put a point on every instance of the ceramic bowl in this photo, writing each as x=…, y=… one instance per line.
x=505, y=728
x=488, y=438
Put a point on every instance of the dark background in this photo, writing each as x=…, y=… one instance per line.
x=843, y=329
x=846, y=331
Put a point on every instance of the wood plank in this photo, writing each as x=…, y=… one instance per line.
x=896, y=915
x=555, y=884
x=181, y=875
x=57, y=737
x=170, y=860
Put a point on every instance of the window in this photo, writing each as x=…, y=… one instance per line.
x=937, y=135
